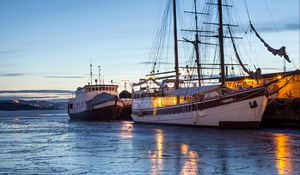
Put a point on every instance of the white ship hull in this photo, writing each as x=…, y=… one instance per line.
x=240, y=114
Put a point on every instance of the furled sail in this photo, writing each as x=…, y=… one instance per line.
x=254, y=75
x=281, y=52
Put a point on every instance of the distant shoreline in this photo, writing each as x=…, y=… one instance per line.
x=20, y=105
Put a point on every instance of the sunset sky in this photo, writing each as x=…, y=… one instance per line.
x=49, y=44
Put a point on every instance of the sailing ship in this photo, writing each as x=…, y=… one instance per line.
x=95, y=102
x=198, y=104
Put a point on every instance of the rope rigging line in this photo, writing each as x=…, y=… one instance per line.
x=257, y=73
x=273, y=21
x=247, y=10
x=280, y=52
x=155, y=53
x=285, y=84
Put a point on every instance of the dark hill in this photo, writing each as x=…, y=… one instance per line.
x=8, y=106
x=17, y=105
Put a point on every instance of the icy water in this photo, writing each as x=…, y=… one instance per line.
x=47, y=142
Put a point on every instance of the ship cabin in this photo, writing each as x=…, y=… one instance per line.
x=88, y=92
x=98, y=88
x=92, y=90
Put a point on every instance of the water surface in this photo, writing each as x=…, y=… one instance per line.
x=47, y=142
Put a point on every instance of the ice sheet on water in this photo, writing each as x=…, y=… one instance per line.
x=41, y=142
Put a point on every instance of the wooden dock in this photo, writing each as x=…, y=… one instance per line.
x=282, y=112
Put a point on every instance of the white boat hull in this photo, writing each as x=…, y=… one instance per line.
x=233, y=114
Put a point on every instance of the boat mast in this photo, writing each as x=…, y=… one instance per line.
x=197, y=45
x=99, y=75
x=221, y=43
x=175, y=45
x=91, y=73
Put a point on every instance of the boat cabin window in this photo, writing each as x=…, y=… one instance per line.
x=93, y=89
x=70, y=106
x=96, y=88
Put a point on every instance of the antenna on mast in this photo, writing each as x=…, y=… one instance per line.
x=91, y=73
x=99, y=67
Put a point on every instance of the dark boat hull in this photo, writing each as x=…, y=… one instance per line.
x=100, y=114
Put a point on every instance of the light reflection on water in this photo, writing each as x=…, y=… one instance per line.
x=44, y=142
x=283, y=154
x=156, y=157
x=190, y=166
x=126, y=131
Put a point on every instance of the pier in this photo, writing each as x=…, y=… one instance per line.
x=282, y=112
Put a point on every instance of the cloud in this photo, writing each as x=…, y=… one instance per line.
x=11, y=74
x=54, y=76
x=65, y=9
x=38, y=98
x=36, y=91
x=159, y=62
x=281, y=27
x=47, y=95
x=7, y=51
x=7, y=65
x=26, y=97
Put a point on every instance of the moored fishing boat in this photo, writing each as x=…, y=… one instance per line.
x=95, y=102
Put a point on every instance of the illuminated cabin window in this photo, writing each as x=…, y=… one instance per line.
x=166, y=101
